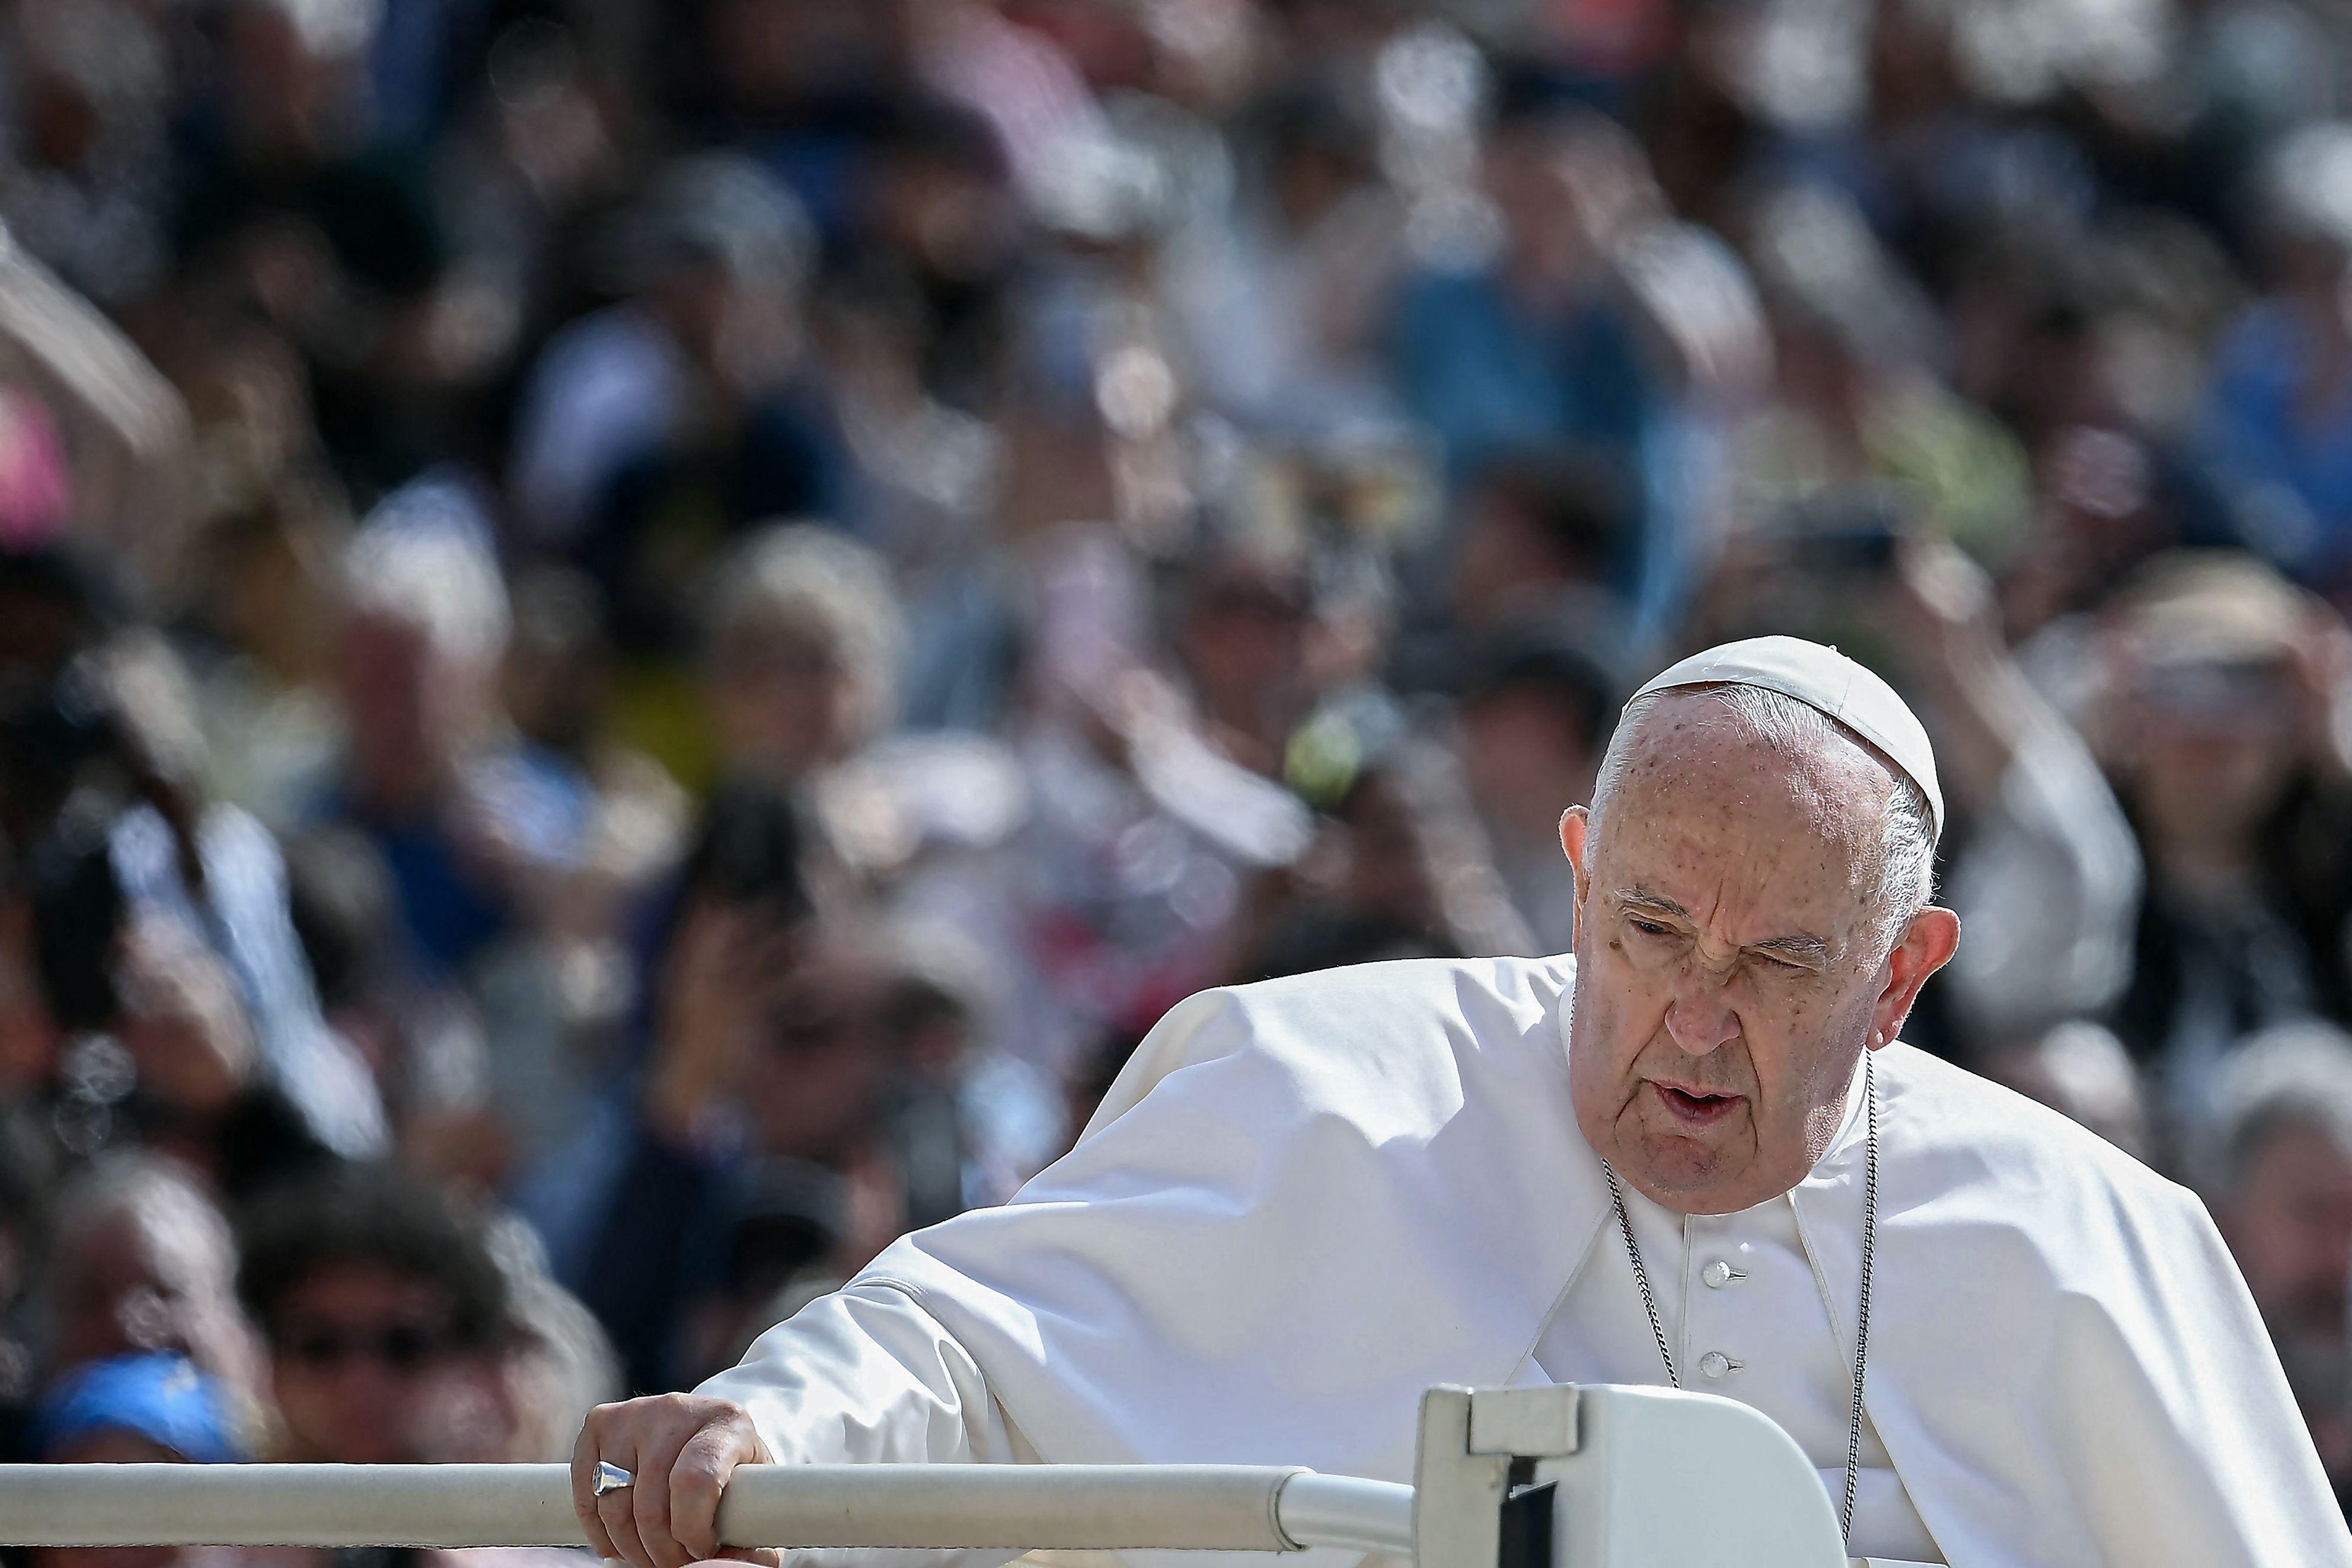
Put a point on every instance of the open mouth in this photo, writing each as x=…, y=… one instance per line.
x=1695, y=1109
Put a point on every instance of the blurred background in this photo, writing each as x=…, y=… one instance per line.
x=639, y=640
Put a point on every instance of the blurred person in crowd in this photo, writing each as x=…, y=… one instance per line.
x=654, y=430
x=425, y=626
x=734, y=916
x=1532, y=550
x=403, y=1330
x=1538, y=539
x=1537, y=709
x=800, y=86
x=261, y=647
x=971, y=1121
x=1276, y=298
x=1244, y=623
x=535, y=150
x=1402, y=868
x=2089, y=345
x=1032, y=98
x=802, y=661
x=2080, y=1067
x=160, y=914
x=1537, y=346
x=406, y=1021
x=1145, y=833
x=143, y=1263
x=604, y=821
x=204, y=879
x=84, y=164
x=2278, y=416
x=760, y=1140
x=940, y=209
x=1858, y=396
x=514, y=837
x=1544, y=344
x=145, y=1408
x=386, y=1316
x=2102, y=509
x=2274, y=1161
x=292, y=208
x=2217, y=714
x=924, y=477
x=2076, y=327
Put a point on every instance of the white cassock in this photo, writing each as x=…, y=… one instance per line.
x=1306, y=1202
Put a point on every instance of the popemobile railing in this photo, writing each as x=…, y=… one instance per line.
x=1540, y=1477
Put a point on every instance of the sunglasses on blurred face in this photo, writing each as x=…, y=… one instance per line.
x=398, y=1347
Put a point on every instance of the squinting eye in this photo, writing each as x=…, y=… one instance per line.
x=1651, y=928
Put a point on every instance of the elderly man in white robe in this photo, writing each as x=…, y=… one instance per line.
x=1692, y=1152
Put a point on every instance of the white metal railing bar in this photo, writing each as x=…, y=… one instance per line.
x=1346, y=1510
x=1011, y=1507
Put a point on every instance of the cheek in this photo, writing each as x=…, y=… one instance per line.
x=1618, y=1012
x=1799, y=1044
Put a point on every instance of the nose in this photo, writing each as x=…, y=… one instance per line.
x=1699, y=1017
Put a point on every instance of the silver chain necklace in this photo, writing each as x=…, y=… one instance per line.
x=1862, y=1323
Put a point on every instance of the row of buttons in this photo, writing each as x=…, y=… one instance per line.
x=1715, y=1276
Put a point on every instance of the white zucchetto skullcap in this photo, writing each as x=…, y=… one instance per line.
x=1822, y=679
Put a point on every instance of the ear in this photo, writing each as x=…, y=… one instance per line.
x=1576, y=841
x=1928, y=945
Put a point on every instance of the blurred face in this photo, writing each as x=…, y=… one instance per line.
x=2213, y=747
x=408, y=709
x=1524, y=751
x=1727, y=979
x=817, y=1072
x=1388, y=867
x=1533, y=185
x=1244, y=644
x=784, y=701
x=2290, y=1224
x=135, y=1281
x=361, y=1364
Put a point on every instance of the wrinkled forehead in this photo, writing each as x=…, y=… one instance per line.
x=1704, y=803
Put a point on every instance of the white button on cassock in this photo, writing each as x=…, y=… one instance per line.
x=1714, y=1364
x=1718, y=1274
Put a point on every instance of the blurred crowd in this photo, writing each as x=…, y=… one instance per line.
x=640, y=638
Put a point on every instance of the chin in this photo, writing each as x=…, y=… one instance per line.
x=1672, y=1163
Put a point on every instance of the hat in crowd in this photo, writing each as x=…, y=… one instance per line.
x=2215, y=606
x=165, y=1399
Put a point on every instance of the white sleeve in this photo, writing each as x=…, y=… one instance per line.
x=865, y=1375
x=2186, y=1449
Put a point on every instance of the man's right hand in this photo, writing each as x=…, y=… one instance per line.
x=681, y=1447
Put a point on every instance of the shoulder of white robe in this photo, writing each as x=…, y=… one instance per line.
x=2064, y=1364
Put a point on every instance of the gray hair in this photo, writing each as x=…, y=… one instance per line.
x=161, y=1192
x=2289, y=1075
x=423, y=559
x=814, y=581
x=1905, y=873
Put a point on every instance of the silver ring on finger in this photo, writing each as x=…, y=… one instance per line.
x=610, y=1478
